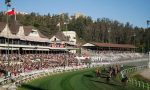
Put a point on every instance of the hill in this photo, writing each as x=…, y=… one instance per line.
x=87, y=29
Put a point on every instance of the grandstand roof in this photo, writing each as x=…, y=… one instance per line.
x=60, y=36
x=27, y=30
x=2, y=26
x=110, y=45
x=14, y=27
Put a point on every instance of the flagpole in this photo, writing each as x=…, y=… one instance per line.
x=147, y=29
x=15, y=15
x=148, y=23
x=7, y=23
x=148, y=46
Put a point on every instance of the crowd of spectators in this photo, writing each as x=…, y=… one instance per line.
x=28, y=62
x=14, y=64
x=107, y=56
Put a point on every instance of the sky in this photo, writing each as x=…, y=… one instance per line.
x=137, y=12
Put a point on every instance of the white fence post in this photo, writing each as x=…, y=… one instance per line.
x=139, y=83
x=132, y=81
x=136, y=83
x=147, y=86
x=143, y=85
x=149, y=60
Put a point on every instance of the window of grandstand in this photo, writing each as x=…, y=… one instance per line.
x=55, y=39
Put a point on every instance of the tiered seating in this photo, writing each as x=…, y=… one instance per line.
x=28, y=62
x=107, y=56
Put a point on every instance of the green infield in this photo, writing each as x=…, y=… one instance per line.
x=78, y=80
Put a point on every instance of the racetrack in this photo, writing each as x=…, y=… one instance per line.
x=78, y=80
x=144, y=74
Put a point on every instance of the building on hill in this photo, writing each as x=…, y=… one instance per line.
x=77, y=15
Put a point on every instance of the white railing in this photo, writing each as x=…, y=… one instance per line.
x=133, y=81
x=25, y=77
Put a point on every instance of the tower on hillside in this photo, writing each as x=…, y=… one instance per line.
x=77, y=15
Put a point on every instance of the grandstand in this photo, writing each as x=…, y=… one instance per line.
x=24, y=49
x=107, y=52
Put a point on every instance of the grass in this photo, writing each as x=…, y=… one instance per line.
x=78, y=80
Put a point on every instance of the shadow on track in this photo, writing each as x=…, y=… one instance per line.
x=106, y=83
x=89, y=76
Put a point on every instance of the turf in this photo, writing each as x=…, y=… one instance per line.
x=78, y=80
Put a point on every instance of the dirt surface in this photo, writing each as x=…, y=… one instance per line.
x=145, y=73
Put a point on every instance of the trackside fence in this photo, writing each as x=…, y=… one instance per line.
x=135, y=82
x=25, y=77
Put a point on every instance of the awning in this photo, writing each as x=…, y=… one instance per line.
x=10, y=48
x=35, y=49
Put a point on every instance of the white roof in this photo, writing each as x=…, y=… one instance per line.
x=20, y=32
x=30, y=38
x=88, y=44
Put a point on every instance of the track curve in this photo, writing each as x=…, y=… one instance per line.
x=78, y=80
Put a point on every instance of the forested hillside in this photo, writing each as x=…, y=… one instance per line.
x=88, y=30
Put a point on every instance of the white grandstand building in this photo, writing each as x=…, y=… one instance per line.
x=27, y=37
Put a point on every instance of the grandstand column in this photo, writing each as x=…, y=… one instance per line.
x=0, y=52
x=66, y=58
x=19, y=54
x=48, y=51
x=148, y=22
x=25, y=52
x=109, y=30
x=134, y=41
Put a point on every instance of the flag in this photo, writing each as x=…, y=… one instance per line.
x=10, y=12
x=7, y=2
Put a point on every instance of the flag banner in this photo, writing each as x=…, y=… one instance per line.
x=10, y=12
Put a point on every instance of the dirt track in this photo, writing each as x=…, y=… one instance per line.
x=145, y=74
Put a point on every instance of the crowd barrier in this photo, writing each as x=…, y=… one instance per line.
x=25, y=77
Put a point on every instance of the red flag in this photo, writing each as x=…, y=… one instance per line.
x=10, y=12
